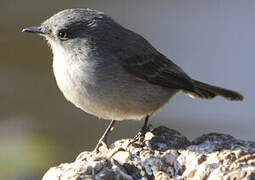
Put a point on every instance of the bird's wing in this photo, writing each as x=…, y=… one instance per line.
x=157, y=69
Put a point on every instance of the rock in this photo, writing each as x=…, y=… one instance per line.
x=164, y=154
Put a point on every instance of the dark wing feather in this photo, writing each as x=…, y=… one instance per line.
x=159, y=70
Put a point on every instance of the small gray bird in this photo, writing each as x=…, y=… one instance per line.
x=112, y=72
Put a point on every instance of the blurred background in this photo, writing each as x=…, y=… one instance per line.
x=212, y=40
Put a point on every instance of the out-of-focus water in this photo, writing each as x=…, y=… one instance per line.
x=212, y=40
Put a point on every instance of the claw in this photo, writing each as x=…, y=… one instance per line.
x=101, y=142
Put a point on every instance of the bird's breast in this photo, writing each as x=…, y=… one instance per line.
x=74, y=77
x=102, y=88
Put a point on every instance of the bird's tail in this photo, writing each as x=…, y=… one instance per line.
x=206, y=91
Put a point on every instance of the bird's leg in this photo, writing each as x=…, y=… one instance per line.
x=145, y=125
x=141, y=134
x=103, y=139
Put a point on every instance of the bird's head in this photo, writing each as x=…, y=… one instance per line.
x=73, y=29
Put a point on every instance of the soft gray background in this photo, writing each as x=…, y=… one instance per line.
x=212, y=40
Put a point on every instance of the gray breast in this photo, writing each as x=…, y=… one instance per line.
x=106, y=90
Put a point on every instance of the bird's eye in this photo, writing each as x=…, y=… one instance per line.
x=63, y=34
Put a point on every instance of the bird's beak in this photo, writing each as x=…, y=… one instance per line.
x=36, y=30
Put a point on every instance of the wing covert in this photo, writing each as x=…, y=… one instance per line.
x=158, y=69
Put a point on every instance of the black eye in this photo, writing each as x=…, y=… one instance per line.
x=62, y=34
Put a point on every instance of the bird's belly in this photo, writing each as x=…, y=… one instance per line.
x=117, y=104
x=110, y=96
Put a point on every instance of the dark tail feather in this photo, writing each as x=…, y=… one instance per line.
x=206, y=91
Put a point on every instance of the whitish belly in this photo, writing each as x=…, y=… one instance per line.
x=114, y=96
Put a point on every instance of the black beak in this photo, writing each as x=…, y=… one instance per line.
x=36, y=30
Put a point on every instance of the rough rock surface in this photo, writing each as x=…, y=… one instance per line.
x=164, y=154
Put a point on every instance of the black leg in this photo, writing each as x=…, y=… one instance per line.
x=104, y=137
x=141, y=134
x=145, y=125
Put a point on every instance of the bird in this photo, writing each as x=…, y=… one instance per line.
x=112, y=72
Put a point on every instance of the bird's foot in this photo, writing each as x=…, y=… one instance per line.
x=101, y=143
x=103, y=139
x=140, y=136
x=100, y=147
